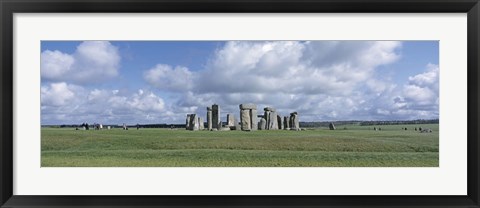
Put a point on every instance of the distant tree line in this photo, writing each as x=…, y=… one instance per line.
x=418, y=121
x=326, y=123
x=366, y=123
x=120, y=126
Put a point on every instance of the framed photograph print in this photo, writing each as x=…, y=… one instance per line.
x=269, y=103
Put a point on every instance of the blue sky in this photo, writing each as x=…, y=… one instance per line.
x=161, y=81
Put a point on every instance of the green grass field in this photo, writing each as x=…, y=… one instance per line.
x=358, y=146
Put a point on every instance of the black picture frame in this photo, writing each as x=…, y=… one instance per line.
x=9, y=7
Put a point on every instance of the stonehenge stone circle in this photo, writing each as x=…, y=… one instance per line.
x=249, y=120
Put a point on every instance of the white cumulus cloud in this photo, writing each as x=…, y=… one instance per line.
x=57, y=94
x=64, y=103
x=166, y=77
x=92, y=61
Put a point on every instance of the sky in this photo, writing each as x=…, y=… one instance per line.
x=152, y=82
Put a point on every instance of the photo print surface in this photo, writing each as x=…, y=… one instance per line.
x=308, y=103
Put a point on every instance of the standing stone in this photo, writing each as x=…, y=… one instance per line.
x=294, y=121
x=262, y=124
x=280, y=122
x=248, y=117
x=266, y=116
x=286, y=122
x=216, y=120
x=192, y=122
x=230, y=120
x=195, y=125
x=253, y=117
x=187, y=122
x=209, y=118
x=270, y=116
x=331, y=126
x=201, y=125
x=245, y=120
x=273, y=125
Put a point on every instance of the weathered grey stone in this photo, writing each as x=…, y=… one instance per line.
x=272, y=121
x=245, y=120
x=201, y=124
x=248, y=117
x=266, y=115
x=192, y=122
x=286, y=122
x=230, y=120
x=280, y=122
x=216, y=120
x=253, y=119
x=209, y=118
x=294, y=121
x=247, y=106
x=187, y=122
x=331, y=126
x=262, y=124
x=269, y=109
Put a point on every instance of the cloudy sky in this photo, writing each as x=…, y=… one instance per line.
x=161, y=81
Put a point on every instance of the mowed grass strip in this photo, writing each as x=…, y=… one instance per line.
x=354, y=147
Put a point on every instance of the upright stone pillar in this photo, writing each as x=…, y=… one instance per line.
x=286, y=122
x=245, y=124
x=262, y=124
x=266, y=116
x=209, y=118
x=187, y=122
x=253, y=118
x=201, y=125
x=217, y=122
x=294, y=121
x=230, y=120
x=248, y=117
x=270, y=116
x=280, y=122
x=192, y=122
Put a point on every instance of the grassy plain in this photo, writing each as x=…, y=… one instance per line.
x=357, y=146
